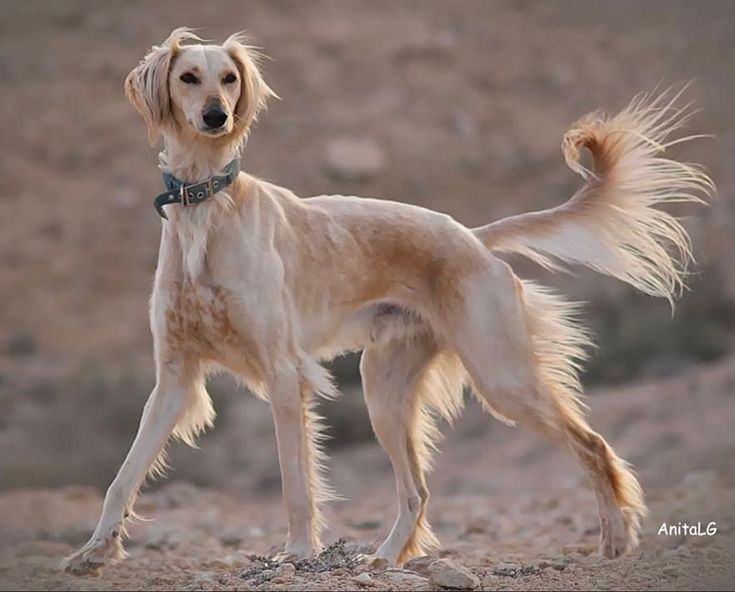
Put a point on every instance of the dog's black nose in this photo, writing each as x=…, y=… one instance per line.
x=214, y=117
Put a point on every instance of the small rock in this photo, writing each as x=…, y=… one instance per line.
x=353, y=159
x=405, y=579
x=507, y=569
x=180, y=494
x=671, y=572
x=566, y=521
x=491, y=582
x=674, y=542
x=447, y=574
x=231, y=539
x=160, y=537
x=21, y=344
x=420, y=564
x=583, y=550
x=364, y=579
x=478, y=525
x=205, y=580
x=378, y=564
x=286, y=570
x=238, y=559
x=217, y=563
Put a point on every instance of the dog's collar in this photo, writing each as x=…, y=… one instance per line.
x=189, y=195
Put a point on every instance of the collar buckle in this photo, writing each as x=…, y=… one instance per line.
x=189, y=195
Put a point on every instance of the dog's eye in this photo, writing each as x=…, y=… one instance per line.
x=229, y=78
x=188, y=78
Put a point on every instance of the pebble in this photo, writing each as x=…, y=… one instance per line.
x=583, y=550
x=420, y=564
x=286, y=570
x=447, y=574
x=231, y=539
x=238, y=559
x=378, y=564
x=161, y=537
x=671, y=572
x=507, y=569
x=403, y=578
x=364, y=579
x=21, y=344
x=217, y=563
x=205, y=580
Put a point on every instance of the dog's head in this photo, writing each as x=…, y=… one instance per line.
x=214, y=92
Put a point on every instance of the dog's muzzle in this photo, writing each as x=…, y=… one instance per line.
x=214, y=115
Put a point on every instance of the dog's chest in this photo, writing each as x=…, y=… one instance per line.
x=193, y=229
x=198, y=320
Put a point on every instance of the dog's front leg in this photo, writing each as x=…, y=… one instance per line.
x=295, y=456
x=162, y=411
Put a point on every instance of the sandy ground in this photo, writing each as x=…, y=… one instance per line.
x=513, y=511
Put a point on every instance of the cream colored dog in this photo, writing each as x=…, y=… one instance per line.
x=265, y=284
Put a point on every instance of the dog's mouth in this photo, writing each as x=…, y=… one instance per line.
x=214, y=132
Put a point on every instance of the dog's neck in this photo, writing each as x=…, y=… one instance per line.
x=195, y=161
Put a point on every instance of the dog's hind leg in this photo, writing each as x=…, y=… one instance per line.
x=519, y=344
x=178, y=404
x=405, y=382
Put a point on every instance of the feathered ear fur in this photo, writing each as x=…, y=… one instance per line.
x=147, y=84
x=254, y=92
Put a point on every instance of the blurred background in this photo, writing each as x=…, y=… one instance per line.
x=458, y=107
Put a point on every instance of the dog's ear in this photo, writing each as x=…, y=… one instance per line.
x=254, y=92
x=146, y=87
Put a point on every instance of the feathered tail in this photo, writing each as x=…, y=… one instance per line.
x=611, y=224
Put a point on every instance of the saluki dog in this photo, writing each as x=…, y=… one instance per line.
x=266, y=285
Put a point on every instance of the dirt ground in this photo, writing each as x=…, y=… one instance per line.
x=462, y=106
x=516, y=513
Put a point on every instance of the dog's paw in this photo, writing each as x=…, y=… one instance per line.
x=285, y=557
x=616, y=537
x=292, y=556
x=296, y=550
x=92, y=557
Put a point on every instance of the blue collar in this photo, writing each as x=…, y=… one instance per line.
x=189, y=195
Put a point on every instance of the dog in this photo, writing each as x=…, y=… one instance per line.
x=257, y=281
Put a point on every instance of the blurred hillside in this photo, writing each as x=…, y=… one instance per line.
x=457, y=107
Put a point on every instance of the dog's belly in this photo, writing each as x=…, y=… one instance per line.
x=371, y=325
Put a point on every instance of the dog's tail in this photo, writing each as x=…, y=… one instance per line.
x=611, y=224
